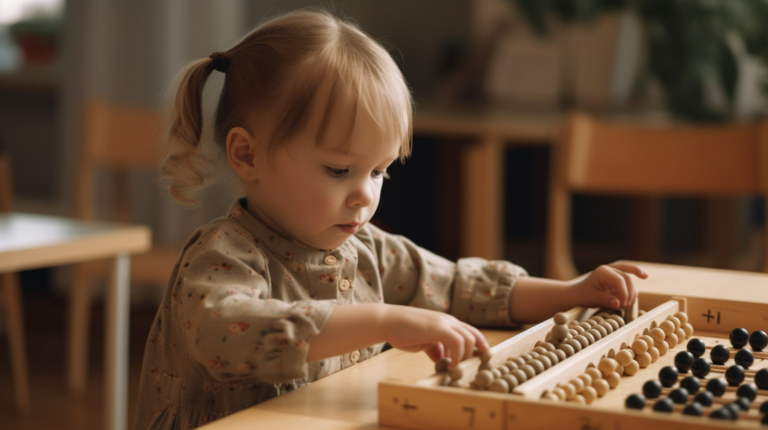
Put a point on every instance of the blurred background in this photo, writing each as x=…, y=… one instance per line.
x=506, y=71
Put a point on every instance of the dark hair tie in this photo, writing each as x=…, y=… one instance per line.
x=220, y=62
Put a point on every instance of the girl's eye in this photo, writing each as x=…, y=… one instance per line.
x=336, y=172
x=379, y=174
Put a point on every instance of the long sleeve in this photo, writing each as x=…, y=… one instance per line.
x=234, y=328
x=474, y=290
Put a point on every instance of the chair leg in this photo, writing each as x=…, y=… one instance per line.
x=79, y=319
x=14, y=310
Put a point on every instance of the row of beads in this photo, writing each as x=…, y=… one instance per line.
x=593, y=383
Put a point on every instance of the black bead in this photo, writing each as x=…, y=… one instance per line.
x=668, y=376
x=734, y=375
x=704, y=398
x=679, y=396
x=744, y=358
x=739, y=337
x=664, y=405
x=716, y=387
x=719, y=354
x=721, y=414
x=652, y=389
x=735, y=408
x=691, y=384
x=693, y=409
x=743, y=403
x=747, y=390
x=764, y=421
x=761, y=379
x=683, y=361
x=758, y=340
x=635, y=401
x=700, y=367
x=764, y=407
x=696, y=347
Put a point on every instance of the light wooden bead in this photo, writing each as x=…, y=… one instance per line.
x=533, y=354
x=486, y=356
x=639, y=347
x=587, y=324
x=582, y=340
x=550, y=396
x=680, y=335
x=573, y=332
x=519, y=361
x=570, y=391
x=683, y=317
x=591, y=339
x=511, y=380
x=668, y=327
x=549, y=347
x=579, y=330
x=561, y=355
x=614, y=325
x=663, y=347
x=553, y=358
x=597, y=319
x=601, y=386
x=596, y=334
x=631, y=368
x=643, y=360
x=539, y=344
x=559, y=392
x=672, y=340
x=511, y=365
x=530, y=372
x=589, y=394
x=619, y=320
x=543, y=359
x=441, y=365
x=602, y=330
x=496, y=373
x=539, y=350
x=485, y=366
x=608, y=328
x=499, y=385
x=456, y=384
x=594, y=373
x=613, y=380
x=657, y=334
x=560, y=318
x=654, y=353
x=456, y=373
x=578, y=399
x=619, y=369
x=567, y=349
x=625, y=356
x=607, y=366
x=577, y=383
x=575, y=344
x=586, y=379
x=552, y=342
x=560, y=332
x=483, y=378
x=537, y=366
x=519, y=375
x=688, y=328
x=503, y=369
x=675, y=321
x=648, y=339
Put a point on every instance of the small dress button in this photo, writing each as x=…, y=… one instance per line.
x=343, y=285
x=354, y=356
x=330, y=260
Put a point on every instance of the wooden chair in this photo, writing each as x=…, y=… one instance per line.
x=117, y=140
x=621, y=158
x=11, y=303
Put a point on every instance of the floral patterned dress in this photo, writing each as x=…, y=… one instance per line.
x=242, y=305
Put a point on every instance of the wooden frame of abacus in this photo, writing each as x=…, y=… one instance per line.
x=427, y=404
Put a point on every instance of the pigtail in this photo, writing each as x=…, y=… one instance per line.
x=186, y=169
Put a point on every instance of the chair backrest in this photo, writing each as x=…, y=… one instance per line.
x=6, y=186
x=117, y=139
x=625, y=158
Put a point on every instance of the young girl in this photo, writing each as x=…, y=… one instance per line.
x=294, y=283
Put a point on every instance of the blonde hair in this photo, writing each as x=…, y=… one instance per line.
x=272, y=77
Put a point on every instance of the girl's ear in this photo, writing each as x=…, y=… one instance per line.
x=242, y=150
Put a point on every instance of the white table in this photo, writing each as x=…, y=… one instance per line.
x=33, y=241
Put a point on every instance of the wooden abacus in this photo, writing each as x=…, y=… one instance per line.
x=537, y=403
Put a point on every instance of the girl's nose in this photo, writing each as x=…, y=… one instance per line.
x=362, y=195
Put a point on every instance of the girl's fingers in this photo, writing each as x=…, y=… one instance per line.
x=479, y=340
x=435, y=351
x=616, y=284
x=628, y=288
x=630, y=268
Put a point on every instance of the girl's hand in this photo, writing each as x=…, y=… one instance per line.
x=608, y=286
x=438, y=334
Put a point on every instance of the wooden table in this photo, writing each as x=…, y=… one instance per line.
x=34, y=241
x=348, y=399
